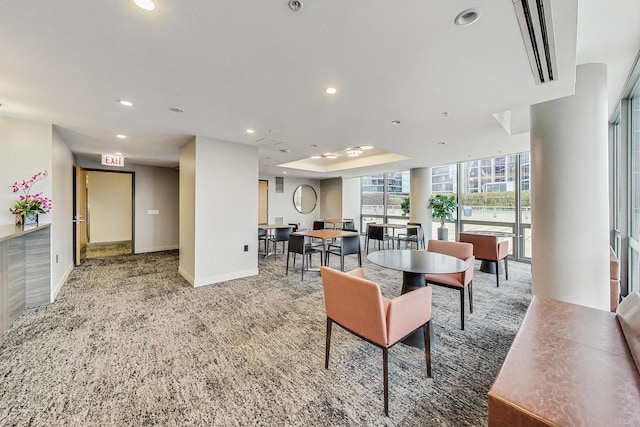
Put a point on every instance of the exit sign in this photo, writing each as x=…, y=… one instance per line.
x=111, y=160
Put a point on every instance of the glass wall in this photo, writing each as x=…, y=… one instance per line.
x=382, y=197
x=634, y=192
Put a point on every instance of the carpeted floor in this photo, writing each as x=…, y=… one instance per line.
x=128, y=342
x=102, y=250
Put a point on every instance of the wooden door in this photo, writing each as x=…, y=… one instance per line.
x=263, y=201
x=80, y=215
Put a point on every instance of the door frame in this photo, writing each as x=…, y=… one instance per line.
x=133, y=203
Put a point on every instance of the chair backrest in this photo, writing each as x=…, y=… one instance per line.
x=348, y=224
x=262, y=232
x=294, y=226
x=355, y=303
x=375, y=233
x=417, y=224
x=485, y=246
x=318, y=225
x=412, y=231
x=350, y=245
x=281, y=234
x=296, y=244
x=459, y=250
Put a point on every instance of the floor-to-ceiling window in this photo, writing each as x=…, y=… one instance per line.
x=634, y=192
x=382, y=197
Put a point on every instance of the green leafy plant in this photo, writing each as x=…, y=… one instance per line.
x=444, y=207
x=405, y=205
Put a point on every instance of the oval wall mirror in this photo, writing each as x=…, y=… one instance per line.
x=305, y=198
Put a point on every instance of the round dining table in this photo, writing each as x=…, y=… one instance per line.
x=414, y=264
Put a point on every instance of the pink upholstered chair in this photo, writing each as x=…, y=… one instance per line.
x=486, y=247
x=460, y=281
x=357, y=305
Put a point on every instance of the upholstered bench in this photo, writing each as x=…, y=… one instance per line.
x=571, y=365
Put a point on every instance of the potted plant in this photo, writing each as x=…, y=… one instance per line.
x=28, y=206
x=444, y=207
x=405, y=206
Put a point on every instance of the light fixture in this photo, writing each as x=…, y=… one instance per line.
x=145, y=4
x=316, y=157
x=354, y=152
x=330, y=156
x=445, y=114
x=295, y=5
x=125, y=103
x=117, y=153
x=121, y=136
x=366, y=147
x=395, y=122
x=251, y=131
x=284, y=172
x=176, y=110
x=442, y=143
x=330, y=91
x=467, y=17
x=285, y=150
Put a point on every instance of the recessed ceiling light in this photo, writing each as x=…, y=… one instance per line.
x=285, y=150
x=121, y=136
x=145, y=4
x=467, y=17
x=331, y=91
x=442, y=143
x=395, y=122
x=117, y=153
x=176, y=110
x=313, y=145
x=125, y=103
x=250, y=131
x=366, y=147
x=316, y=157
x=331, y=156
x=445, y=114
x=284, y=172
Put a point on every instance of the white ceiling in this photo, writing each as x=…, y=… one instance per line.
x=233, y=65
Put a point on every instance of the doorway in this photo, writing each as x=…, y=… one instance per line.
x=105, y=215
x=263, y=201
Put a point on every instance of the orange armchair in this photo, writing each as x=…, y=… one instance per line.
x=486, y=247
x=460, y=281
x=357, y=305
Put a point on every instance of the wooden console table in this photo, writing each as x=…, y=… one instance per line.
x=25, y=270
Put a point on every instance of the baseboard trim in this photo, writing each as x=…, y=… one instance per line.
x=155, y=249
x=188, y=277
x=60, y=284
x=210, y=280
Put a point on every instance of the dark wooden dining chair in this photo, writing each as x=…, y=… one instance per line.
x=357, y=305
x=379, y=234
x=414, y=234
x=280, y=235
x=263, y=236
x=299, y=244
x=348, y=245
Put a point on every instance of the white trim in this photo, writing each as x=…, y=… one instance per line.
x=188, y=277
x=56, y=289
x=156, y=249
x=223, y=277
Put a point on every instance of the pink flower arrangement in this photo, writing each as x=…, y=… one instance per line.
x=30, y=203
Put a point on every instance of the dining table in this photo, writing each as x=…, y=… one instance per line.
x=414, y=264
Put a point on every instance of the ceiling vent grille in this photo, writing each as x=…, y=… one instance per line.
x=536, y=26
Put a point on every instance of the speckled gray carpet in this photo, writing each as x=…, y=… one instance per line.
x=128, y=342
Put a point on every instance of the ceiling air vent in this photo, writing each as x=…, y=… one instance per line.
x=536, y=26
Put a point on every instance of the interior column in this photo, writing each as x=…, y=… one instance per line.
x=570, y=243
x=420, y=182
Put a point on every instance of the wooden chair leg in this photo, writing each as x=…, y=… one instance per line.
x=462, y=308
x=470, y=297
x=427, y=346
x=385, y=368
x=328, y=344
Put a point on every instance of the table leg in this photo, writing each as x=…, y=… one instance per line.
x=490, y=267
x=411, y=282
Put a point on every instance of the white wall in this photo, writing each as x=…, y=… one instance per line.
x=281, y=204
x=25, y=149
x=187, y=204
x=110, y=206
x=61, y=214
x=155, y=188
x=226, y=211
x=351, y=200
